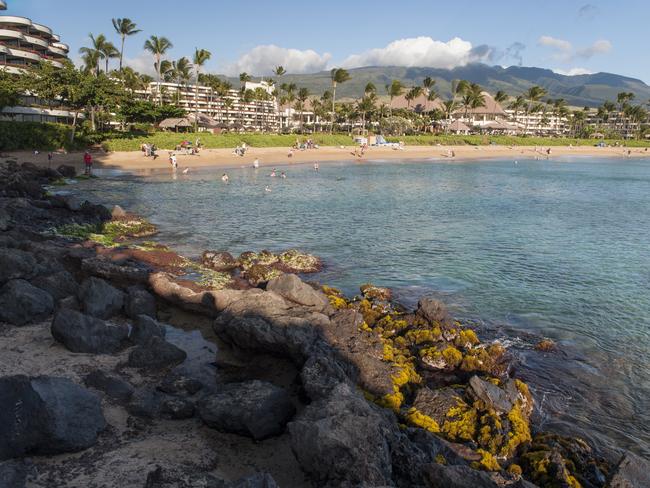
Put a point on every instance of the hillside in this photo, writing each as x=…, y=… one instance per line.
x=581, y=90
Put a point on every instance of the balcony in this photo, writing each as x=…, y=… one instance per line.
x=14, y=20
x=43, y=30
x=37, y=41
x=11, y=34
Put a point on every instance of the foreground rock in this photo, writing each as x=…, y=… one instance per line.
x=293, y=288
x=255, y=408
x=139, y=302
x=144, y=328
x=16, y=264
x=100, y=299
x=46, y=415
x=631, y=472
x=22, y=303
x=155, y=355
x=82, y=333
x=113, y=386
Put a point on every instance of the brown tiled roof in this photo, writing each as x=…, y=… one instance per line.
x=491, y=107
x=418, y=104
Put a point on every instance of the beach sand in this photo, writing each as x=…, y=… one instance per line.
x=269, y=156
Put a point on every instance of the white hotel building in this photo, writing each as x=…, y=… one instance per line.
x=24, y=43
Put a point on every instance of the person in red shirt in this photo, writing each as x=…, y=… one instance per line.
x=88, y=161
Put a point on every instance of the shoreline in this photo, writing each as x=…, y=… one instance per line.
x=270, y=156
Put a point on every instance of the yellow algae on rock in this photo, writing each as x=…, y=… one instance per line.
x=417, y=418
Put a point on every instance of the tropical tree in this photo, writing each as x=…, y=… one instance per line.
x=458, y=88
x=93, y=54
x=158, y=47
x=301, y=97
x=394, y=89
x=427, y=84
x=366, y=107
x=337, y=76
x=201, y=56
x=125, y=28
x=500, y=97
x=412, y=94
x=449, y=107
x=108, y=52
x=533, y=95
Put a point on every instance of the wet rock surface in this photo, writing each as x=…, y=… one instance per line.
x=82, y=333
x=100, y=299
x=256, y=409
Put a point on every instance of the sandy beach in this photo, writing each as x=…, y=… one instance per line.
x=135, y=160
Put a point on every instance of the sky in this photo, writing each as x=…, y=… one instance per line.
x=569, y=37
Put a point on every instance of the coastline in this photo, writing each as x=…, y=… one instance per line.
x=381, y=378
x=270, y=156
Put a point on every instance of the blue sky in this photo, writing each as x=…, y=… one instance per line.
x=568, y=36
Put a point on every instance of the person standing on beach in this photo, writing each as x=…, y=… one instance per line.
x=225, y=178
x=88, y=163
x=316, y=167
x=256, y=163
x=49, y=159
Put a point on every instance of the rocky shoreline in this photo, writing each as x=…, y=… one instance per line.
x=102, y=382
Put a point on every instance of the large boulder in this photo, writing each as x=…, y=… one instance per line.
x=13, y=474
x=46, y=415
x=139, y=302
x=632, y=472
x=16, y=264
x=343, y=440
x=255, y=409
x=82, y=333
x=113, y=386
x=156, y=354
x=21, y=303
x=293, y=288
x=67, y=171
x=100, y=299
x=144, y=328
x=442, y=476
x=60, y=284
x=219, y=261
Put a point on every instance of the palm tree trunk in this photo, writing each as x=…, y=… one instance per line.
x=122, y=52
x=333, y=102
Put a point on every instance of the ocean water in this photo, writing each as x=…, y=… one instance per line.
x=558, y=249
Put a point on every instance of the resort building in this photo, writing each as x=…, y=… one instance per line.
x=25, y=43
x=540, y=123
x=482, y=117
x=232, y=111
x=418, y=105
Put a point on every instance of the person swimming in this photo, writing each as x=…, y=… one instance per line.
x=316, y=167
x=225, y=178
x=283, y=175
x=273, y=173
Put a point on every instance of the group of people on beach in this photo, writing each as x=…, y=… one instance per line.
x=149, y=150
x=186, y=147
x=240, y=150
x=302, y=146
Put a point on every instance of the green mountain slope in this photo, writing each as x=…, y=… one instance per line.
x=581, y=90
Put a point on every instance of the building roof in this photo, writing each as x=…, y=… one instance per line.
x=459, y=126
x=491, y=107
x=172, y=123
x=418, y=104
x=499, y=125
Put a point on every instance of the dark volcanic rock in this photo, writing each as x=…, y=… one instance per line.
x=254, y=408
x=219, y=261
x=100, y=299
x=443, y=476
x=491, y=395
x=144, y=329
x=128, y=273
x=632, y=472
x=83, y=333
x=293, y=288
x=139, y=302
x=60, y=284
x=16, y=264
x=13, y=474
x=343, y=423
x=5, y=220
x=46, y=415
x=67, y=170
x=114, y=387
x=436, y=403
x=22, y=303
x=179, y=385
x=145, y=403
x=155, y=355
x=433, y=310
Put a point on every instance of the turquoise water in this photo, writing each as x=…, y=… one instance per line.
x=540, y=248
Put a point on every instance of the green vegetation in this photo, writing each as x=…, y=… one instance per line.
x=15, y=136
x=108, y=234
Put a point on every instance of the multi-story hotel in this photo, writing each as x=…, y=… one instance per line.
x=24, y=43
x=229, y=111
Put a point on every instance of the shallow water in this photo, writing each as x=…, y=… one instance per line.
x=554, y=248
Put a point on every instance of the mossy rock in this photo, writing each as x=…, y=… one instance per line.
x=375, y=293
x=295, y=261
x=258, y=274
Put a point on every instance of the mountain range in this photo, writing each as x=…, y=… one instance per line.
x=588, y=90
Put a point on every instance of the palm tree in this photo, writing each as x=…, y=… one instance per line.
x=201, y=57
x=500, y=97
x=337, y=75
x=157, y=46
x=365, y=107
x=394, y=89
x=279, y=71
x=90, y=57
x=301, y=97
x=428, y=83
x=227, y=105
x=412, y=94
x=109, y=51
x=449, y=107
x=534, y=94
x=458, y=88
x=370, y=88
x=125, y=28
x=517, y=104
x=243, y=79
x=95, y=52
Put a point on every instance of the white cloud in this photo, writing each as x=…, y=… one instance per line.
x=559, y=44
x=420, y=52
x=565, y=52
x=142, y=63
x=261, y=60
x=572, y=71
x=598, y=47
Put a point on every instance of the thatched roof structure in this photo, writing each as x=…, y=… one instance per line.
x=174, y=123
x=458, y=126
